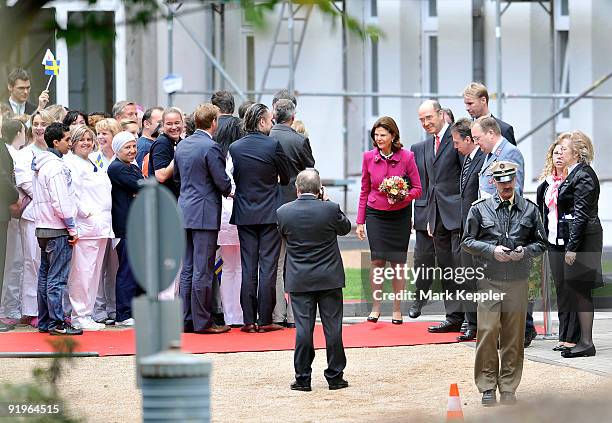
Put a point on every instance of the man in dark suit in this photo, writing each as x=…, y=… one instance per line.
x=8, y=196
x=468, y=186
x=443, y=206
x=19, y=88
x=476, y=100
x=298, y=151
x=259, y=164
x=229, y=127
x=315, y=277
x=424, y=252
x=199, y=172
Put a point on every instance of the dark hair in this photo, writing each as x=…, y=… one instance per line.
x=252, y=117
x=190, y=126
x=55, y=132
x=389, y=124
x=224, y=100
x=244, y=107
x=463, y=128
x=450, y=113
x=147, y=114
x=18, y=73
x=73, y=115
x=105, y=115
x=286, y=95
x=10, y=129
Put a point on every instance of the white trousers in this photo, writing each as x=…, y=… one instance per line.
x=231, y=282
x=105, y=298
x=85, y=269
x=31, y=265
x=13, y=273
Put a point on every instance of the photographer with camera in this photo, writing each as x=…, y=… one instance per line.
x=314, y=276
x=503, y=233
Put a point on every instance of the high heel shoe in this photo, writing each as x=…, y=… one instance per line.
x=572, y=353
x=397, y=321
x=373, y=317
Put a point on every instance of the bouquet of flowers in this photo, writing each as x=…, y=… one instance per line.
x=395, y=187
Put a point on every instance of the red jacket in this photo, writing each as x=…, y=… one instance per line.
x=375, y=169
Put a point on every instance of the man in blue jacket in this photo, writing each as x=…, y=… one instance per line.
x=199, y=172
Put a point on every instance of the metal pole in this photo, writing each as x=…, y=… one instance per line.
x=583, y=94
x=170, y=21
x=553, y=64
x=290, y=27
x=151, y=220
x=214, y=61
x=345, y=102
x=546, y=296
x=498, y=51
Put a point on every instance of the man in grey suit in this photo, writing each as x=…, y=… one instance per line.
x=298, y=151
x=443, y=206
x=487, y=134
x=310, y=226
x=199, y=172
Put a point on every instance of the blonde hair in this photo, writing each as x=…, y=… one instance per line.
x=580, y=145
x=171, y=110
x=300, y=128
x=57, y=111
x=109, y=124
x=125, y=122
x=476, y=89
x=78, y=133
x=45, y=116
x=549, y=166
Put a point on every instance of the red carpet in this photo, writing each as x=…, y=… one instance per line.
x=121, y=342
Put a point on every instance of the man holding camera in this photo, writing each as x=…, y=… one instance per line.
x=314, y=276
x=503, y=233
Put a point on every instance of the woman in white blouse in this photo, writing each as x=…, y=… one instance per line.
x=94, y=223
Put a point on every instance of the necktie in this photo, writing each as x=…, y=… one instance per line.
x=464, y=172
x=489, y=156
x=506, y=203
x=437, y=143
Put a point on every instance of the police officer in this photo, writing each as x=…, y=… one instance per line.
x=503, y=233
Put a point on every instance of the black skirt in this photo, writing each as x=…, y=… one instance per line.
x=389, y=233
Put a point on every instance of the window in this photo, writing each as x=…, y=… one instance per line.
x=565, y=7
x=429, y=46
x=433, y=8
x=433, y=64
x=375, y=77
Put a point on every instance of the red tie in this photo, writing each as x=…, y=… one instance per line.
x=437, y=143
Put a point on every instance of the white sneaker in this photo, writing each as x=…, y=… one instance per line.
x=126, y=322
x=88, y=324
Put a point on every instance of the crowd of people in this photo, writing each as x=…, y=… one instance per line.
x=68, y=179
x=466, y=185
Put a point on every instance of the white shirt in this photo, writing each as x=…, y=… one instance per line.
x=473, y=153
x=497, y=144
x=18, y=108
x=572, y=167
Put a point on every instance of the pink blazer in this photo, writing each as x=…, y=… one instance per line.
x=375, y=169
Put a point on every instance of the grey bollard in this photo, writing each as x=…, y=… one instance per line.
x=175, y=387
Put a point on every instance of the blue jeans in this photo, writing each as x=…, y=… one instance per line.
x=55, y=258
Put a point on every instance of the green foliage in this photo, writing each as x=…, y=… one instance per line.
x=44, y=388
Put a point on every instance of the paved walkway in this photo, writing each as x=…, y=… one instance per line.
x=541, y=348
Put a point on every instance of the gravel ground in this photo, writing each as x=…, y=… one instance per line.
x=387, y=384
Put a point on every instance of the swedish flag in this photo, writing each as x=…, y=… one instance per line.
x=52, y=67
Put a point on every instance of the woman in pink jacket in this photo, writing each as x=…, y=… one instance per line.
x=387, y=219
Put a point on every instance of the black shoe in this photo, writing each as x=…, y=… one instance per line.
x=561, y=348
x=373, y=317
x=218, y=319
x=415, y=308
x=290, y=326
x=579, y=352
x=488, y=398
x=296, y=386
x=530, y=336
x=41, y=330
x=65, y=329
x=507, y=398
x=283, y=323
x=341, y=384
x=444, y=327
x=464, y=327
x=469, y=335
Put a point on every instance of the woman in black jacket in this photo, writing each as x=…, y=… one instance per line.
x=552, y=177
x=579, y=227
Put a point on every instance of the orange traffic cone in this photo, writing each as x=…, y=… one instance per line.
x=453, y=410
